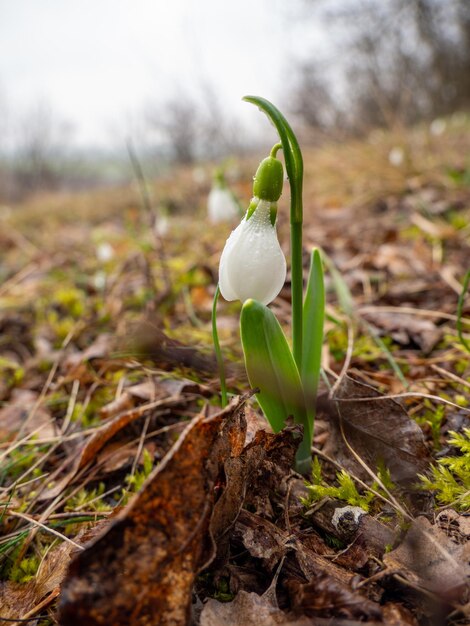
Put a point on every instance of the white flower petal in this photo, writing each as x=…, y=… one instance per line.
x=226, y=288
x=252, y=263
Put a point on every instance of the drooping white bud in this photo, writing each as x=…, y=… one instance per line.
x=252, y=264
x=221, y=205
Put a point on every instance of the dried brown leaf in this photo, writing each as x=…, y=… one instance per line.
x=99, y=349
x=18, y=599
x=326, y=597
x=97, y=441
x=17, y=412
x=144, y=566
x=431, y=559
x=379, y=430
x=145, y=339
x=156, y=388
x=406, y=329
x=268, y=542
x=248, y=609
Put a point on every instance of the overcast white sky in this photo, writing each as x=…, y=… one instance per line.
x=98, y=62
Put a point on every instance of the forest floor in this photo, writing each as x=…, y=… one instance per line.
x=127, y=496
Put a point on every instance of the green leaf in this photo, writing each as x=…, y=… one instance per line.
x=460, y=304
x=345, y=298
x=271, y=367
x=312, y=342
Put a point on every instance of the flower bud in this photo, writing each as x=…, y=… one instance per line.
x=269, y=179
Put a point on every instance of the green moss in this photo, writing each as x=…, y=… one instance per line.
x=11, y=371
x=450, y=478
x=25, y=570
x=433, y=417
x=457, y=219
x=135, y=481
x=337, y=339
x=71, y=300
x=223, y=593
x=89, y=499
x=345, y=489
x=369, y=349
x=18, y=461
x=60, y=326
x=461, y=400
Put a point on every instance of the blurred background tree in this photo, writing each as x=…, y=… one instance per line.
x=343, y=67
x=399, y=62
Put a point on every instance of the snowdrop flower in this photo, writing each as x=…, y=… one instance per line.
x=252, y=264
x=221, y=205
x=161, y=224
x=396, y=156
x=104, y=252
x=437, y=126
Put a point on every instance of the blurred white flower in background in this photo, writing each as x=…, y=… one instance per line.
x=396, y=156
x=161, y=223
x=221, y=205
x=104, y=252
x=252, y=264
x=99, y=280
x=437, y=126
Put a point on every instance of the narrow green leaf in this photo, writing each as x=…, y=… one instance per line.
x=460, y=304
x=346, y=300
x=271, y=366
x=313, y=319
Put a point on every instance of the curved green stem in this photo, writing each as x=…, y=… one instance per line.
x=218, y=352
x=294, y=167
x=275, y=149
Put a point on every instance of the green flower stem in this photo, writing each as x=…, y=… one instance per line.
x=294, y=167
x=275, y=149
x=218, y=352
x=297, y=291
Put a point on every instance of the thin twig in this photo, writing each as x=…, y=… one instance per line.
x=31, y=520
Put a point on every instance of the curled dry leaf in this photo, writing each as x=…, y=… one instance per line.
x=99, y=349
x=407, y=329
x=145, y=339
x=248, y=609
x=378, y=429
x=455, y=525
x=275, y=471
x=21, y=413
x=97, y=441
x=19, y=599
x=430, y=558
x=268, y=542
x=325, y=597
x=144, y=566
